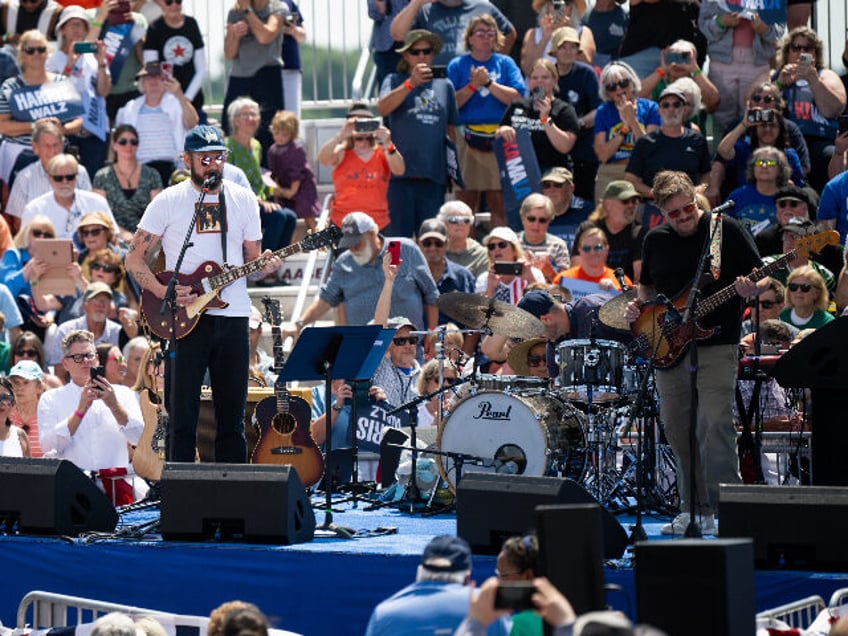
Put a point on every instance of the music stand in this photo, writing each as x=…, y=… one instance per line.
x=331, y=353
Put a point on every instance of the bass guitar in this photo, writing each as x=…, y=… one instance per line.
x=284, y=420
x=209, y=279
x=667, y=340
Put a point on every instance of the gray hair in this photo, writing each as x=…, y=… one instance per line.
x=617, y=68
x=536, y=200
x=423, y=574
x=454, y=208
x=133, y=343
x=693, y=93
x=238, y=104
x=63, y=159
x=115, y=624
x=80, y=335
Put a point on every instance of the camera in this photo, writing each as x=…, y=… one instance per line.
x=537, y=93
x=757, y=116
x=290, y=19
x=508, y=268
x=676, y=57
x=515, y=595
x=806, y=59
x=366, y=124
x=440, y=71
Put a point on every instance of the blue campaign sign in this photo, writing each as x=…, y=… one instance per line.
x=119, y=44
x=519, y=169
x=51, y=99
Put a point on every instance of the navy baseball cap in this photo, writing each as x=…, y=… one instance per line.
x=447, y=553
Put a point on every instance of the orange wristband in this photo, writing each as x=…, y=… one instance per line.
x=408, y=85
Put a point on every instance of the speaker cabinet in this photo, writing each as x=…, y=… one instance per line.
x=696, y=587
x=491, y=508
x=571, y=552
x=235, y=502
x=51, y=496
x=797, y=527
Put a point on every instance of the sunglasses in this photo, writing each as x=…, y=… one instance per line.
x=208, y=159
x=767, y=99
x=622, y=83
x=95, y=231
x=408, y=340
x=538, y=219
x=458, y=219
x=765, y=163
x=788, y=203
x=552, y=184
x=426, y=51
x=432, y=243
x=535, y=361
x=123, y=141
x=768, y=304
x=118, y=359
x=168, y=3
x=32, y=50
x=806, y=48
x=597, y=247
x=484, y=33
x=41, y=234
x=103, y=267
x=688, y=209
x=6, y=397
x=671, y=104
x=799, y=286
x=79, y=358
x=449, y=381
x=58, y=178
x=27, y=353
x=500, y=245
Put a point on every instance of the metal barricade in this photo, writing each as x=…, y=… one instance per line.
x=799, y=614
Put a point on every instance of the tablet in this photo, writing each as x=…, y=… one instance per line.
x=58, y=254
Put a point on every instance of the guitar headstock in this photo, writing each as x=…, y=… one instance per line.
x=815, y=242
x=328, y=237
x=273, y=316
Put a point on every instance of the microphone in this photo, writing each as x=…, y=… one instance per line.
x=211, y=182
x=619, y=276
x=727, y=206
x=672, y=313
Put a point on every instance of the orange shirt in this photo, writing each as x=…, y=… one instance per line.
x=362, y=187
x=580, y=274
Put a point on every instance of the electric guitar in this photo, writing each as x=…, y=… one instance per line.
x=670, y=338
x=209, y=279
x=284, y=420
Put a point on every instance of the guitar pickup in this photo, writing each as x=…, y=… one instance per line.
x=286, y=450
x=207, y=288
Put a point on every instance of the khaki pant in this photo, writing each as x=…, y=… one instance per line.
x=607, y=172
x=716, y=461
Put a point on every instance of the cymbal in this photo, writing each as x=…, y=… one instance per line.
x=478, y=311
x=612, y=311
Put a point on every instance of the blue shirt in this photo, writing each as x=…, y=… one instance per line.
x=455, y=278
x=483, y=107
x=753, y=210
x=608, y=121
x=834, y=204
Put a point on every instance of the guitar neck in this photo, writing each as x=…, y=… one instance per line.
x=715, y=301
x=233, y=274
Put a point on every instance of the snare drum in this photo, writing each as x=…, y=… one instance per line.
x=510, y=383
x=522, y=435
x=598, y=364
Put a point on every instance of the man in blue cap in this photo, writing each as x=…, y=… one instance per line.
x=226, y=231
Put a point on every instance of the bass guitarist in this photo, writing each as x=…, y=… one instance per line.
x=670, y=256
x=227, y=232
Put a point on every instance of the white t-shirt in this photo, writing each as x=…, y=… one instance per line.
x=168, y=217
x=64, y=220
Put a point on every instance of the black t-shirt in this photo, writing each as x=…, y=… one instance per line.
x=624, y=247
x=669, y=261
x=655, y=152
x=521, y=114
x=177, y=46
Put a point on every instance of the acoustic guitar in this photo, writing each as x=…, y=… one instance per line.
x=209, y=279
x=284, y=420
x=670, y=338
x=149, y=455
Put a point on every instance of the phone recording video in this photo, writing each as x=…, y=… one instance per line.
x=394, y=252
x=439, y=71
x=97, y=372
x=515, y=595
x=508, y=268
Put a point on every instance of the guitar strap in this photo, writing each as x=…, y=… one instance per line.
x=222, y=215
x=715, y=246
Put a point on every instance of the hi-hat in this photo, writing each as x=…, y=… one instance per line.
x=478, y=311
x=612, y=311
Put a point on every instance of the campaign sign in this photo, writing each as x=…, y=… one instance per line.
x=519, y=170
x=51, y=99
x=452, y=160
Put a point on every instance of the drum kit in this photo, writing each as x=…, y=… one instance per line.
x=583, y=426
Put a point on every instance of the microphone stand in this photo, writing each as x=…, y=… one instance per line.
x=170, y=304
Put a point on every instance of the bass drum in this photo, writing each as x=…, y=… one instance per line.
x=535, y=435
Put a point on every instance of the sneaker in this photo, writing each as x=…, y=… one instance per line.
x=681, y=522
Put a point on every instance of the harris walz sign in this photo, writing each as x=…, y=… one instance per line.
x=51, y=99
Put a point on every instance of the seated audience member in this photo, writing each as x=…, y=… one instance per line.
x=94, y=233
x=26, y=380
x=127, y=184
x=245, y=621
x=504, y=247
x=806, y=306
x=593, y=248
x=89, y=421
x=48, y=140
x=771, y=302
x=133, y=353
x=28, y=346
x=449, y=277
x=548, y=253
x=13, y=439
x=768, y=171
x=793, y=230
x=109, y=357
x=616, y=216
x=530, y=358
x=678, y=60
x=296, y=188
x=399, y=369
x=463, y=249
x=219, y=615
x=569, y=209
x=65, y=204
x=429, y=413
x=162, y=115
x=439, y=597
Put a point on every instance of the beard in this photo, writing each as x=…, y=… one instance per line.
x=364, y=256
x=198, y=180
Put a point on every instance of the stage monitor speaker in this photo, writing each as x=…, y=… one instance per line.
x=796, y=527
x=235, y=502
x=571, y=552
x=491, y=508
x=51, y=496
x=696, y=587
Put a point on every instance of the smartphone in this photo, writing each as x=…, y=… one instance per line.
x=366, y=124
x=758, y=116
x=97, y=372
x=515, y=595
x=85, y=47
x=508, y=268
x=121, y=14
x=167, y=69
x=559, y=9
x=394, y=252
x=537, y=93
x=843, y=123
x=806, y=59
x=439, y=71
x=676, y=58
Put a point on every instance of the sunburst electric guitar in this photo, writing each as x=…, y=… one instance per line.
x=670, y=339
x=284, y=419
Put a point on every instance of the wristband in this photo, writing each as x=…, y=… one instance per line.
x=471, y=87
x=696, y=72
x=720, y=22
x=79, y=415
x=248, y=10
x=391, y=149
x=779, y=84
x=544, y=120
x=488, y=83
x=624, y=130
x=337, y=408
x=408, y=85
x=99, y=25
x=660, y=72
x=67, y=70
x=33, y=283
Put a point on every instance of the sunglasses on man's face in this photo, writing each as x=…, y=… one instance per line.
x=788, y=203
x=425, y=51
x=552, y=184
x=432, y=243
x=768, y=304
x=538, y=219
x=408, y=340
x=675, y=214
x=58, y=178
x=535, y=361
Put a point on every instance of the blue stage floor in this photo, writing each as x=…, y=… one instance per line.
x=328, y=586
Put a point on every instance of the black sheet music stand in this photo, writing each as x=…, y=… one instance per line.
x=330, y=353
